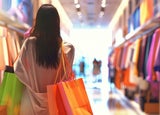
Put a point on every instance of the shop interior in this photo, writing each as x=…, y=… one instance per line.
x=117, y=50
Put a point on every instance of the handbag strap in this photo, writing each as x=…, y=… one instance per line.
x=68, y=73
x=63, y=64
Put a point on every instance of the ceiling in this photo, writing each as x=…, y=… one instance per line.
x=90, y=12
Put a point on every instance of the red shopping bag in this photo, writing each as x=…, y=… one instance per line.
x=68, y=98
x=3, y=110
x=55, y=103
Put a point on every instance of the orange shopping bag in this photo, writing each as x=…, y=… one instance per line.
x=3, y=110
x=68, y=98
x=75, y=98
x=55, y=103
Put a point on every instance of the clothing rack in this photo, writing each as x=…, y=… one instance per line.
x=147, y=28
x=12, y=23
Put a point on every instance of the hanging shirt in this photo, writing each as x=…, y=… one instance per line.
x=151, y=57
x=157, y=58
x=146, y=11
x=141, y=56
x=147, y=49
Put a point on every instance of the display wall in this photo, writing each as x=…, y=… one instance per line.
x=19, y=9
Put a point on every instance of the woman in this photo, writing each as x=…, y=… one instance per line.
x=39, y=60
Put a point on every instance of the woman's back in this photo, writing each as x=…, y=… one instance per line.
x=36, y=77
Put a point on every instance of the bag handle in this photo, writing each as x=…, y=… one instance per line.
x=68, y=73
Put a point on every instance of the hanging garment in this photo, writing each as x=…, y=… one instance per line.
x=128, y=67
x=5, y=53
x=136, y=47
x=17, y=42
x=111, y=68
x=157, y=62
x=124, y=62
x=12, y=49
x=136, y=18
x=146, y=11
x=133, y=77
x=121, y=57
x=126, y=56
x=122, y=66
x=151, y=57
x=126, y=78
x=141, y=56
x=118, y=75
x=147, y=49
x=157, y=58
x=129, y=54
x=36, y=78
x=4, y=60
x=130, y=24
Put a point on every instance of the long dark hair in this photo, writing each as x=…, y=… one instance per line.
x=47, y=32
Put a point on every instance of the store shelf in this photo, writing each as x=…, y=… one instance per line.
x=148, y=27
x=12, y=23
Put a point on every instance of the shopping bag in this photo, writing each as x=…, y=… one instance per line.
x=68, y=98
x=3, y=110
x=75, y=98
x=10, y=93
x=55, y=104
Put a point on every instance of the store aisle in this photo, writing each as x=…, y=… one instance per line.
x=98, y=98
x=110, y=101
x=105, y=98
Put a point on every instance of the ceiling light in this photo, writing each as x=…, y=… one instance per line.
x=77, y=5
x=79, y=13
x=103, y=3
x=101, y=14
x=75, y=1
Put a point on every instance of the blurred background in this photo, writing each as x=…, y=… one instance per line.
x=112, y=40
